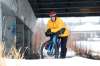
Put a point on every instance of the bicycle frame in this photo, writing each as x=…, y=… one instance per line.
x=53, y=40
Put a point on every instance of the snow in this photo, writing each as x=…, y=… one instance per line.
x=92, y=45
x=44, y=62
x=70, y=53
x=86, y=27
x=69, y=61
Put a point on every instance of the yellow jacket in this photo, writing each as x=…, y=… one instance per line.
x=57, y=25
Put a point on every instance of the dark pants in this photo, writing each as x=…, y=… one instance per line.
x=63, y=47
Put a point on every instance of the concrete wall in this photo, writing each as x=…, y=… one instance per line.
x=20, y=8
x=17, y=8
x=26, y=14
x=11, y=4
x=0, y=23
x=9, y=26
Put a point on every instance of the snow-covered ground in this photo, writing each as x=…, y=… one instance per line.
x=69, y=61
x=59, y=62
x=69, y=54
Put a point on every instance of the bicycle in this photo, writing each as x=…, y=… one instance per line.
x=51, y=46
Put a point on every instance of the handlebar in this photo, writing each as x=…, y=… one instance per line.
x=49, y=33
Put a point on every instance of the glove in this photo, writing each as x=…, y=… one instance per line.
x=49, y=30
x=61, y=31
x=47, y=33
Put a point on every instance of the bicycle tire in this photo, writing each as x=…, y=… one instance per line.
x=56, y=48
x=41, y=50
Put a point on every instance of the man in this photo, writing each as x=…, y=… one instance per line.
x=56, y=25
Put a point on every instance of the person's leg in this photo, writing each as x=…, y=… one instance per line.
x=63, y=47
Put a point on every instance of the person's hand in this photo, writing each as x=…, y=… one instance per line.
x=49, y=30
x=61, y=31
x=47, y=33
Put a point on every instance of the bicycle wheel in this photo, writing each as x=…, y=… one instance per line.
x=44, y=51
x=41, y=50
